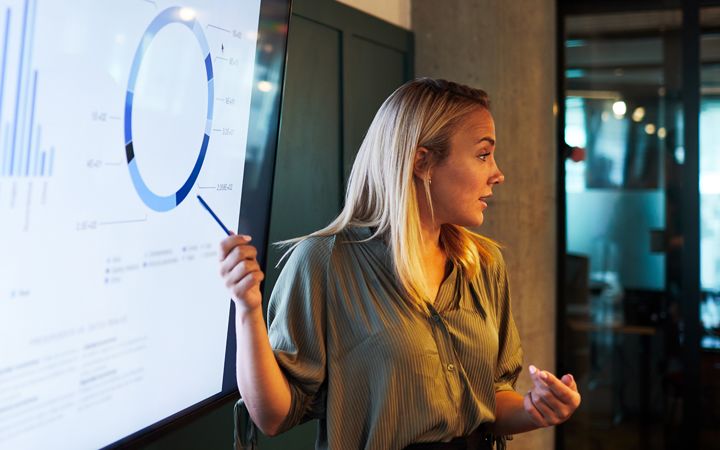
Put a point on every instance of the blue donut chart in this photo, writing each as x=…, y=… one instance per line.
x=172, y=15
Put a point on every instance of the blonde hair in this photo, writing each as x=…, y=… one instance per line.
x=381, y=193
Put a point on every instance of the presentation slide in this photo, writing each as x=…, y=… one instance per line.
x=114, y=116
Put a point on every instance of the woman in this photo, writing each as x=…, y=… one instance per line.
x=392, y=325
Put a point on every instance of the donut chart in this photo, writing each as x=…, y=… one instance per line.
x=172, y=15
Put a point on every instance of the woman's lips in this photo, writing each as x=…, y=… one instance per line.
x=485, y=200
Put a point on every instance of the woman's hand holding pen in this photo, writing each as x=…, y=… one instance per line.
x=239, y=267
x=551, y=401
x=241, y=271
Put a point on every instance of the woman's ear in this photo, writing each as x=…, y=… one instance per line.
x=421, y=168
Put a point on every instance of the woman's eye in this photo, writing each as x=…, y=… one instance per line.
x=484, y=156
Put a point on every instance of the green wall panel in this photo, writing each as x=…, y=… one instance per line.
x=374, y=71
x=306, y=194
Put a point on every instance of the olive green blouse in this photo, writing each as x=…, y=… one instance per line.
x=378, y=373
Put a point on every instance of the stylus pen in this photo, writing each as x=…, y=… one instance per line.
x=212, y=213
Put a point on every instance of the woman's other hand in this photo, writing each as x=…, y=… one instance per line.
x=551, y=401
x=241, y=271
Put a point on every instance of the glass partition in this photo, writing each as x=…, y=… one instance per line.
x=622, y=98
x=640, y=327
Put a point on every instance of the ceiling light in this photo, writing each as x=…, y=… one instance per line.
x=619, y=109
x=638, y=114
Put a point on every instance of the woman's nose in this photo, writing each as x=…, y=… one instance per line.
x=498, y=178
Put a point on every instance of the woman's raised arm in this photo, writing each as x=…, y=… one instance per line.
x=261, y=382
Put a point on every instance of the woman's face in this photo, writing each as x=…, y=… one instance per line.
x=461, y=184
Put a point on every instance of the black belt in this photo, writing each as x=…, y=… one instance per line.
x=480, y=439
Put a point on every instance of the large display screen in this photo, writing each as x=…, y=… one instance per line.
x=114, y=116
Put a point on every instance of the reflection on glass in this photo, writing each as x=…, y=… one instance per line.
x=709, y=187
x=622, y=148
x=264, y=119
x=710, y=191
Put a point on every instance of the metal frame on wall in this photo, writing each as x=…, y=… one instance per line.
x=690, y=207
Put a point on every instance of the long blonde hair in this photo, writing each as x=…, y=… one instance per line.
x=381, y=193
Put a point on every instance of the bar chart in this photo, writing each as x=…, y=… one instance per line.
x=23, y=152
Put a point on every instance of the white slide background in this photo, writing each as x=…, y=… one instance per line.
x=113, y=315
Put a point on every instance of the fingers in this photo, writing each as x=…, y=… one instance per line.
x=569, y=381
x=554, y=399
x=243, y=268
x=230, y=242
x=557, y=387
x=534, y=413
x=550, y=416
x=249, y=281
x=567, y=393
x=237, y=254
x=240, y=271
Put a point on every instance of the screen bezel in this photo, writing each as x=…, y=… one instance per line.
x=273, y=30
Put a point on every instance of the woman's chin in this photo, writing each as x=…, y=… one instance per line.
x=472, y=222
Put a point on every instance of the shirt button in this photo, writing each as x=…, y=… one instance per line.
x=436, y=317
x=451, y=367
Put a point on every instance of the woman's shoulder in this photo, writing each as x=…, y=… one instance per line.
x=319, y=249
x=311, y=250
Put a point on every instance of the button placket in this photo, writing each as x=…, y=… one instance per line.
x=443, y=341
x=435, y=316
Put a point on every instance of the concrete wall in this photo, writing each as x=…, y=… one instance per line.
x=394, y=11
x=508, y=49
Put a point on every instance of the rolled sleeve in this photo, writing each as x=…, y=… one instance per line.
x=296, y=328
x=509, y=361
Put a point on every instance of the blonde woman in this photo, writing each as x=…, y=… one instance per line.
x=392, y=325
